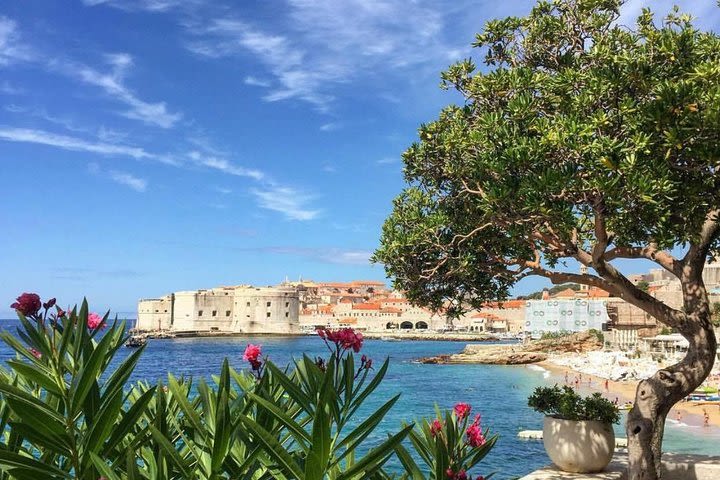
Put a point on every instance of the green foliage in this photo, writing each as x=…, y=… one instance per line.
x=565, y=403
x=577, y=118
x=643, y=285
x=552, y=335
x=552, y=291
x=715, y=314
x=441, y=445
x=65, y=413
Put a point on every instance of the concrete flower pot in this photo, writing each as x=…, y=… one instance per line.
x=578, y=446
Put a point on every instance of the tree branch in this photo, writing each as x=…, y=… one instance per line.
x=650, y=252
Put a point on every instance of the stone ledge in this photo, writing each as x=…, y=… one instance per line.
x=675, y=467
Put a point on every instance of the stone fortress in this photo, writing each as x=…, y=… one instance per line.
x=224, y=310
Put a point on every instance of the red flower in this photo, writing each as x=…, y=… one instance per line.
x=252, y=355
x=435, y=427
x=95, y=321
x=28, y=304
x=60, y=312
x=344, y=338
x=475, y=437
x=49, y=304
x=462, y=410
x=35, y=353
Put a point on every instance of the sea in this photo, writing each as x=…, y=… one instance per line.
x=499, y=393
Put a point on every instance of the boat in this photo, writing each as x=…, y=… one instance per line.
x=136, y=341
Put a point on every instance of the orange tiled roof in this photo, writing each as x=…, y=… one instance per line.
x=366, y=306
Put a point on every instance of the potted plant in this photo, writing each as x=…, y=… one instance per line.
x=577, y=431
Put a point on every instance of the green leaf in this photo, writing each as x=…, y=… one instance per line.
x=274, y=449
x=10, y=461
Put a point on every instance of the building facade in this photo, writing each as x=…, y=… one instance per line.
x=241, y=309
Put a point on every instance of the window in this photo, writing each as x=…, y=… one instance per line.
x=287, y=314
x=268, y=315
x=248, y=304
x=268, y=304
x=227, y=313
x=200, y=313
x=287, y=304
x=214, y=313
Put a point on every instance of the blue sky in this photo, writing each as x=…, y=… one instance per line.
x=148, y=146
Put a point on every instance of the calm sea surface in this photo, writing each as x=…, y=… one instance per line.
x=498, y=392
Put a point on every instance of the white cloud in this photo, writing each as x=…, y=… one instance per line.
x=11, y=50
x=224, y=165
x=112, y=83
x=149, y=5
x=256, y=82
x=124, y=178
x=328, y=255
x=328, y=43
x=26, y=135
x=292, y=203
x=329, y=127
x=65, y=122
x=387, y=161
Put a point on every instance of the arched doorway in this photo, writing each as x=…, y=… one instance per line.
x=421, y=325
x=391, y=326
x=406, y=325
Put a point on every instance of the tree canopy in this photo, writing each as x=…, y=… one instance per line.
x=580, y=138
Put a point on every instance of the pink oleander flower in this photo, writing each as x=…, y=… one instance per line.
x=28, y=304
x=252, y=355
x=435, y=427
x=60, y=312
x=95, y=321
x=343, y=338
x=462, y=410
x=459, y=475
x=35, y=353
x=474, y=434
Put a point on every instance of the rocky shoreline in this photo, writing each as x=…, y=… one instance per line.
x=532, y=352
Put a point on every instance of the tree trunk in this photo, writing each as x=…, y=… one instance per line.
x=656, y=395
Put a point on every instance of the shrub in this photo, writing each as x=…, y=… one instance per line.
x=565, y=403
x=64, y=413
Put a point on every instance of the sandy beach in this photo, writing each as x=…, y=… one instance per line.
x=691, y=413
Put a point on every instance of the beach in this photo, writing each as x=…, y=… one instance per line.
x=691, y=413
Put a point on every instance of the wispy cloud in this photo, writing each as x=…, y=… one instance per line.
x=290, y=202
x=327, y=43
x=329, y=127
x=37, y=112
x=256, y=82
x=387, y=161
x=224, y=165
x=25, y=135
x=223, y=190
x=328, y=255
x=148, y=5
x=123, y=178
x=112, y=83
x=11, y=49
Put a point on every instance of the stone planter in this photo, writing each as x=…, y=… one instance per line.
x=584, y=446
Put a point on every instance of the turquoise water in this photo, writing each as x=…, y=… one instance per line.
x=498, y=392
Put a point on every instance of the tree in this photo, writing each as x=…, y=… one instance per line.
x=643, y=285
x=583, y=139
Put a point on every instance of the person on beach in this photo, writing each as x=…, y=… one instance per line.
x=678, y=416
x=567, y=381
x=706, y=418
x=607, y=385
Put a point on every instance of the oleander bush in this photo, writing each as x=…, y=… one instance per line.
x=69, y=411
x=565, y=403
